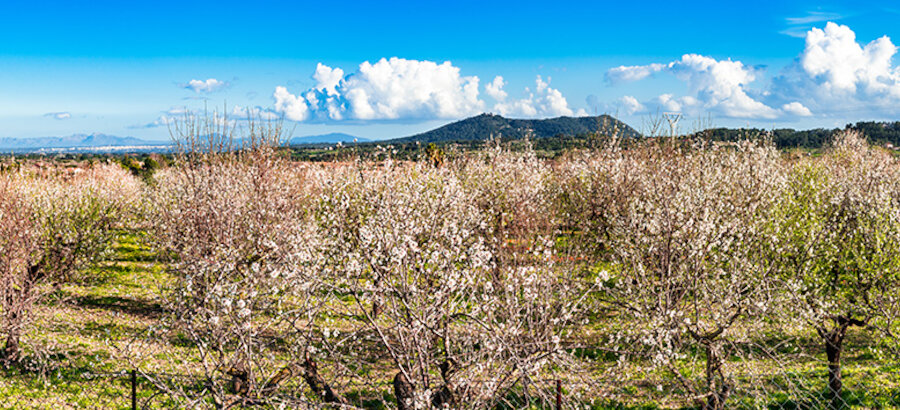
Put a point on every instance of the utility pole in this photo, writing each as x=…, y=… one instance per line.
x=672, y=118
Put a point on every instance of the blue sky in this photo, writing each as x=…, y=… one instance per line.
x=384, y=70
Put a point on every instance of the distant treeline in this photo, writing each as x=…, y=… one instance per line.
x=786, y=138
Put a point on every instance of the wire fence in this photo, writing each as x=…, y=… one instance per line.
x=862, y=387
x=125, y=373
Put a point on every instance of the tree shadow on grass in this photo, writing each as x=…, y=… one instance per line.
x=130, y=306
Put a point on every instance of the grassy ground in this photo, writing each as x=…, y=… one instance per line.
x=82, y=328
x=76, y=328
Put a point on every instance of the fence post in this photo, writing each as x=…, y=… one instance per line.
x=558, y=394
x=133, y=389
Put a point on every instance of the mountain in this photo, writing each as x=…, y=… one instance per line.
x=481, y=127
x=332, y=138
x=78, y=142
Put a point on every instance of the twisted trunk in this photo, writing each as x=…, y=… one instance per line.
x=318, y=384
x=834, y=346
x=306, y=369
x=11, y=353
x=404, y=392
x=444, y=395
x=833, y=349
x=15, y=305
x=716, y=386
x=377, y=299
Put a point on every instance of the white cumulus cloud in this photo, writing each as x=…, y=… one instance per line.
x=63, y=115
x=623, y=73
x=631, y=105
x=544, y=101
x=294, y=108
x=797, y=109
x=837, y=75
x=834, y=76
x=390, y=89
x=842, y=65
x=719, y=86
x=495, y=89
x=205, y=86
x=327, y=78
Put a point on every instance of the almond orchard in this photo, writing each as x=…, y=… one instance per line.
x=639, y=273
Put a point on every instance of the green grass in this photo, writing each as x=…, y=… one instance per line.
x=81, y=326
x=76, y=327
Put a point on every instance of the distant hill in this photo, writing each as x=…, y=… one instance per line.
x=481, y=127
x=332, y=138
x=77, y=142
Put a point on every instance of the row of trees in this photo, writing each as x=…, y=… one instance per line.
x=718, y=246
x=459, y=281
x=880, y=133
x=442, y=279
x=52, y=229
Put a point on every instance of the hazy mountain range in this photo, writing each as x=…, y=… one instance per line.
x=479, y=127
x=75, y=141
x=98, y=142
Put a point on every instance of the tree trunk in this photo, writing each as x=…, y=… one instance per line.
x=715, y=383
x=404, y=392
x=376, y=300
x=834, y=345
x=444, y=396
x=240, y=379
x=17, y=304
x=309, y=371
x=11, y=353
x=318, y=384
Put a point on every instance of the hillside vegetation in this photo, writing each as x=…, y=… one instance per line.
x=880, y=133
x=483, y=126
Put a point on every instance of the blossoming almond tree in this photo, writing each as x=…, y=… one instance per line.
x=236, y=225
x=687, y=243
x=510, y=190
x=409, y=249
x=51, y=229
x=587, y=189
x=18, y=244
x=837, y=243
x=413, y=241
